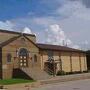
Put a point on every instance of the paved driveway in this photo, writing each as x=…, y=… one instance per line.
x=71, y=85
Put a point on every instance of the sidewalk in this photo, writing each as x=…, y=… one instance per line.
x=71, y=85
x=66, y=78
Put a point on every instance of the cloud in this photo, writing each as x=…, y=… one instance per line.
x=75, y=9
x=67, y=9
x=7, y=25
x=55, y=35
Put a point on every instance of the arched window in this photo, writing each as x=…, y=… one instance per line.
x=35, y=58
x=9, y=57
x=23, y=52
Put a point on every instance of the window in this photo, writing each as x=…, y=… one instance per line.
x=23, y=52
x=50, y=55
x=35, y=58
x=9, y=57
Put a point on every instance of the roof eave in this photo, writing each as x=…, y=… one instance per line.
x=62, y=50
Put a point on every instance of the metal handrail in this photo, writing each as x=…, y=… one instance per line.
x=48, y=70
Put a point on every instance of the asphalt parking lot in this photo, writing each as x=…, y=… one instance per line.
x=71, y=85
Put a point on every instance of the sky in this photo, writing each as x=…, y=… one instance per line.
x=59, y=22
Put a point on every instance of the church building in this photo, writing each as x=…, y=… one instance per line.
x=20, y=53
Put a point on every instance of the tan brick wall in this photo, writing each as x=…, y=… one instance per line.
x=7, y=71
x=75, y=62
x=65, y=58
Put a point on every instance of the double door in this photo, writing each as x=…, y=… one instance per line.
x=23, y=61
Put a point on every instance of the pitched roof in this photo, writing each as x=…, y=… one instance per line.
x=10, y=36
x=14, y=32
x=57, y=48
x=9, y=40
x=14, y=38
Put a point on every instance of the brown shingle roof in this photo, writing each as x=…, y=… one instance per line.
x=57, y=48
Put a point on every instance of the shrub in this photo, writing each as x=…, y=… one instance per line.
x=76, y=72
x=71, y=72
x=68, y=73
x=85, y=71
x=61, y=73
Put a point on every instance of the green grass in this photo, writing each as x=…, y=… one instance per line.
x=15, y=81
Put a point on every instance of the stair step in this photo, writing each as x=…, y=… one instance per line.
x=36, y=73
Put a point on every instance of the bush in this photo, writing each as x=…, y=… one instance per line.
x=85, y=71
x=61, y=73
x=68, y=73
x=77, y=72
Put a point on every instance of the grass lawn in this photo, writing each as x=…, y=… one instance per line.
x=15, y=81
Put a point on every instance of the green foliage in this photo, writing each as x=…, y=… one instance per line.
x=59, y=73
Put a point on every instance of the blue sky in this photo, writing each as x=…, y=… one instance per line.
x=10, y=9
x=53, y=21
